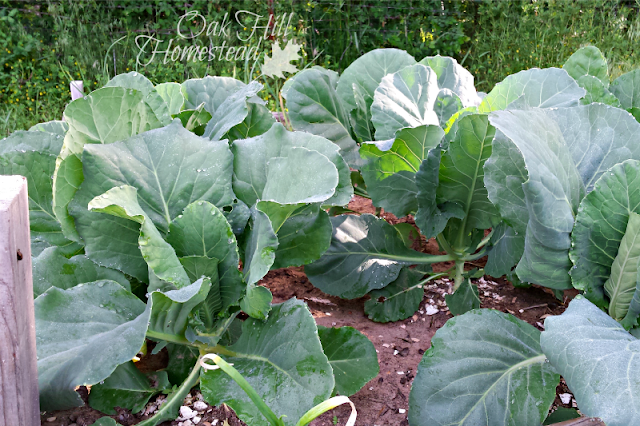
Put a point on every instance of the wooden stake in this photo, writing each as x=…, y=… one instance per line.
x=19, y=401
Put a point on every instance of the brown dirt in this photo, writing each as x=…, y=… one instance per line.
x=400, y=345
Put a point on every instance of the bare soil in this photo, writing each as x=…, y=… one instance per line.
x=400, y=345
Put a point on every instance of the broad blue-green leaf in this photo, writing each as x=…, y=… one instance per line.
x=398, y=300
x=627, y=89
x=366, y=253
x=621, y=285
x=131, y=80
x=282, y=359
x=432, y=218
x=260, y=247
x=565, y=151
x=303, y=231
x=543, y=88
x=599, y=361
x=314, y=107
x=600, y=225
x=461, y=177
x=82, y=335
x=231, y=112
x=484, y=367
x=405, y=99
x=360, y=116
x=446, y=106
x=506, y=250
x=367, y=72
x=195, y=120
x=52, y=269
x=596, y=91
x=170, y=167
x=264, y=169
x=33, y=155
x=182, y=359
x=105, y=116
x=172, y=95
x=561, y=414
x=105, y=421
x=122, y=201
x=464, y=299
x=257, y=302
x=258, y=121
x=57, y=127
x=213, y=91
x=238, y=216
x=454, y=77
x=171, y=309
x=197, y=267
x=391, y=166
x=352, y=357
x=202, y=230
x=588, y=61
x=126, y=388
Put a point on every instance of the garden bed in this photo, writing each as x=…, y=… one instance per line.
x=400, y=345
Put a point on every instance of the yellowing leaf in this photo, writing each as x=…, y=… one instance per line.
x=275, y=65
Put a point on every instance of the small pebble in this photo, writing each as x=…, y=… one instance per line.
x=187, y=423
x=401, y=410
x=51, y=419
x=431, y=310
x=187, y=413
x=200, y=405
x=565, y=398
x=196, y=420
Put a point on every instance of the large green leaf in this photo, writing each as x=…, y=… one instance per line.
x=82, y=335
x=231, y=112
x=361, y=116
x=454, y=77
x=122, y=202
x=544, y=88
x=565, y=151
x=289, y=168
x=506, y=250
x=398, y=300
x=260, y=247
x=172, y=95
x=282, y=359
x=52, y=269
x=314, y=107
x=627, y=89
x=213, y=91
x=258, y=121
x=170, y=167
x=202, y=230
x=432, y=218
x=366, y=253
x=405, y=99
x=126, y=388
x=131, y=80
x=600, y=226
x=107, y=115
x=599, y=361
x=484, y=367
x=621, y=285
x=596, y=91
x=391, y=167
x=367, y=72
x=352, y=357
x=171, y=309
x=461, y=177
x=33, y=155
x=588, y=61
x=57, y=127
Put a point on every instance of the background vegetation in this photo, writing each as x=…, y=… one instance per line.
x=46, y=44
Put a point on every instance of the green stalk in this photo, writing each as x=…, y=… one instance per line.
x=459, y=272
x=242, y=382
x=327, y=405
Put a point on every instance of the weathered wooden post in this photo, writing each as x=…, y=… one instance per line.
x=19, y=402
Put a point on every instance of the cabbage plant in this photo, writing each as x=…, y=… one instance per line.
x=155, y=211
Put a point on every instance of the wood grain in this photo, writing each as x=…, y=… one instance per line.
x=19, y=402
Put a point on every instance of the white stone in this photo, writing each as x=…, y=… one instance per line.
x=196, y=420
x=187, y=413
x=401, y=410
x=565, y=398
x=200, y=405
x=431, y=310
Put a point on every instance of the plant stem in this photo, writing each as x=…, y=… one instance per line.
x=459, y=272
x=242, y=382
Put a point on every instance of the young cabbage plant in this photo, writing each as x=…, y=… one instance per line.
x=158, y=225
x=439, y=135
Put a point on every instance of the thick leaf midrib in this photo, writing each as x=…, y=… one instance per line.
x=535, y=360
